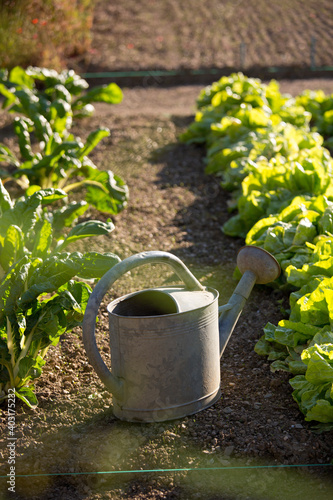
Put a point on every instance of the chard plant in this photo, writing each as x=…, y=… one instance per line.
x=49, y=101
x=40, y=299
x=58, y=97
x=62, y=164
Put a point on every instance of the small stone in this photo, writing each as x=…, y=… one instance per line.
x=224, y=462
x=227, y=409
x=275, y=383
x=172, y=434
x=228, y=451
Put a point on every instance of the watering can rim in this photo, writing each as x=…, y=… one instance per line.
x=178, y=313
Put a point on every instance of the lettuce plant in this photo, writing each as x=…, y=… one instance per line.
x=272, y=185
x=303, y=344
x=39, y=297
x=259, y=143
x=290, y=233
x=314, y=391
x=256, y=104
x=320, y=107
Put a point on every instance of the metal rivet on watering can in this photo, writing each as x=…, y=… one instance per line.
x=166, y=342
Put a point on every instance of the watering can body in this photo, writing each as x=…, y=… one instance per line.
x=165, y=342
x=168, y=354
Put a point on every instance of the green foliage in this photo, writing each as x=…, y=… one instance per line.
x=259, y=143
x=50, y=101
x=40, y=300
x=272, y=185
x=58, y=97
x=321, y=108
x=44, y=32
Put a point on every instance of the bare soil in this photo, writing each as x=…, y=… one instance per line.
x=244, y=34
x=254, y=439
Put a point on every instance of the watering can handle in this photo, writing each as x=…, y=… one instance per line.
x=112, y=383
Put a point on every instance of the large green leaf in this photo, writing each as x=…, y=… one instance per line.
x=60, y=115
x=30, y=367
x=12, y=247
x=5, y=200
x=106, y=191
x=27, y=395
x=26, y=212
x=95, y=265
x=65, y=216
x=110, y=94
x=86, y=230
x=20, y=77
x=322, y=411
x=43, y=239
x=12, y=285
x=319, y=360
x=307, y=394
x=79, y=290
x=53, y=273
x=92, y=140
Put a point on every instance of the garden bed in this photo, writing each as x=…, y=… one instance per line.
x=254, y=437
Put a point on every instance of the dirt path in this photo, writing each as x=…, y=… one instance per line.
x=150, y=98
x=255, y=424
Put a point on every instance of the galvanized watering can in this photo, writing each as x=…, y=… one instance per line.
x=166, y=342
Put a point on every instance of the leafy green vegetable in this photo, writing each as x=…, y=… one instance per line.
x=65, y=164
x=314, y=400
x=48, y=102
x=39, y=299
x=59, y=97
x=273, y=184
x=260, y=145
x=289, y=234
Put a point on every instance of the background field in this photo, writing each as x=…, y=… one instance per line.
x=167, y=34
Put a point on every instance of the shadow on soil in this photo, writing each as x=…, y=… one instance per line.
x=102, y=444
x=201, y=222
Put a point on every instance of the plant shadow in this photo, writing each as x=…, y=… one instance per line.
x=204, y=244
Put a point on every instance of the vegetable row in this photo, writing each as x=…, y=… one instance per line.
x=43, y=292
x=271, y=151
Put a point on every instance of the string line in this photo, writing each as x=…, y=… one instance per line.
x=186, y=469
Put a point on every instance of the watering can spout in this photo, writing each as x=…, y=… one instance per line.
x=258, y=267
